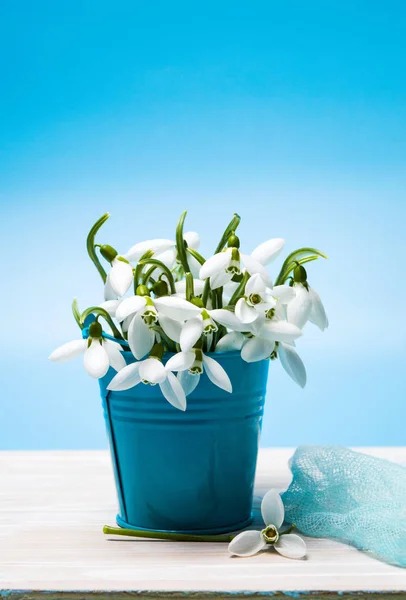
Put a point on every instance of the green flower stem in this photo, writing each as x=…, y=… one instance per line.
x=90, y=245
x=160, y=535
x=76, y=312
x=180, y=243
x=97, y=310
x=190, y=289
x=239, y=292
x=138, y=269
x=296, y=258
x=197, y=256
x=231, y=227
x=147, y=276
x=289, y=530
x=168, y=273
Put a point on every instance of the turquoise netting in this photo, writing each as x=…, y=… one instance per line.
x=349, y=496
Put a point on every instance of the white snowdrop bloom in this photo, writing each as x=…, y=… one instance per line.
x=307, y=306
x=266, y=252
x=260, y=299
x=266, y=333
x=189, y=372
x=202, y=324
x=120, y=276
x=292, y=363
x=99, y=353
x=165, y=251
x=231, y=341
x=222, y=267
x=144, y=312
x=110, y=306
x=151, y=371
x=250, y=542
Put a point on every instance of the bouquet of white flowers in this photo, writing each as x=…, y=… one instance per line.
x=191, y=307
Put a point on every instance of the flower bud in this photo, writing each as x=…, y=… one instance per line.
x=108, y=252
x=233, y=241
x=160, y=288
x=299, y=274
x=197, y=302
x=95, y=330
x=142, y=290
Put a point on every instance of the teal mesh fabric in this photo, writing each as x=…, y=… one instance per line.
x=349, y=496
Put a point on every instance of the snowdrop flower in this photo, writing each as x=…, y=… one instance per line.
x=151, y=371
x=169, y=311
x=202, y=324
x=307, y=305
x=262, y=344
x=292, y=363
x=121, y=273
x=191, y=364
x=165, y=251
x=249, y=543
x=99, y=353
x=260, y=299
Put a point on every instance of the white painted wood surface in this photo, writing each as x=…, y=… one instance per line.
x=53, y=506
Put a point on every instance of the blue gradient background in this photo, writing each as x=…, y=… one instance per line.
x=292, y=114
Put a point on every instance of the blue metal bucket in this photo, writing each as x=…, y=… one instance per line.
x=187, y=471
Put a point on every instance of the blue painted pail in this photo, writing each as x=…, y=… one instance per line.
x=189, y=471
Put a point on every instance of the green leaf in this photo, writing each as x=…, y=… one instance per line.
x=301, y=256
x=180, y=243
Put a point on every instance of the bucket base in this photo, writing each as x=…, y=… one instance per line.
x=236, y=527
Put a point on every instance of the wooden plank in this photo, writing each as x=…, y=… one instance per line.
x=53, y=506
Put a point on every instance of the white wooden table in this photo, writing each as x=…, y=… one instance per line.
x=53, y=506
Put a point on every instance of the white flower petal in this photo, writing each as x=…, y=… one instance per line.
x=129, y=306
x=247, y=543
x=292, y=363
x=110, y=306
x=176, y=308
x=126, y=378
x=231, y=341
x=140, y=337
x=96, y=360
x=283, y=293
x=194, y=267
x=244, y=312
x=188, y=381
x=291, y=546
x=215, y=264
x=68, y=351
x=171, y=327
x=253, y=266
x=255, y=285
x=192, y=239
x=268, y=251
x=109, y=293
x=228, y=319
x=220, y=279
x=173, y=392
x=117, y=360
x=191, y=332
x=121, y=276
x=298, y=310
x=168, y=258
x=280, y=331
x=181, y=361
x=152, y=370
x=216, y=373
x=257, y=349
x=272, y=509
x=158, y=245
x=256, y=326
x=126, y=323
x=317, y=314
